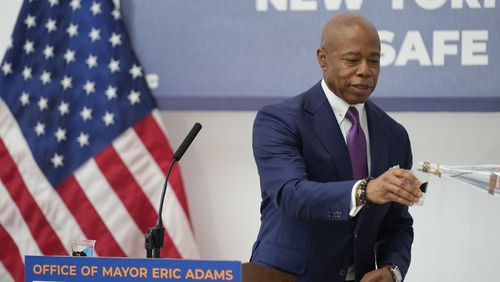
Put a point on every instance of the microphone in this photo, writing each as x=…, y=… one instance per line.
x=154, y=236
x=187, y=142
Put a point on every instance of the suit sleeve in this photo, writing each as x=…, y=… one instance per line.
x=396, y=234
x=277, y=144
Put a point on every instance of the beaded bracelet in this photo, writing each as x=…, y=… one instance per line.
x=362, y=191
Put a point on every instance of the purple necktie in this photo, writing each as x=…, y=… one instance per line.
x=356, y=144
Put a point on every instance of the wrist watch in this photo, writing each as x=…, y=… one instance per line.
x=396, y=273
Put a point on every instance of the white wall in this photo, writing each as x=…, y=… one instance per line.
x=457, y=231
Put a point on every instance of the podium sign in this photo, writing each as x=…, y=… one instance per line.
x=58, y=268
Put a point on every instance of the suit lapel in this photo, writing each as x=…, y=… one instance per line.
x=321, y=118
x=379, y=145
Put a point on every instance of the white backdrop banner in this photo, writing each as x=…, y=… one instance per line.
x=437, y=55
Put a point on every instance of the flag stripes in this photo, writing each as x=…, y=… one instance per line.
x=11, y=220
x=109, y=207
x=131, y=195
x=46, y=238
x=10, y=258
x=88, y=218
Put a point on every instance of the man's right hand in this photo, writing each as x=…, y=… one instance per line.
x=395, y=185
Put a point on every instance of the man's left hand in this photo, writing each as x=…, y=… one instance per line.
x=382, y=274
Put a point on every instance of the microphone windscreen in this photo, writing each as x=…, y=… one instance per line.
x=187, y=141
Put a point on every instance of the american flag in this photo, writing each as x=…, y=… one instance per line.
x=82, y=149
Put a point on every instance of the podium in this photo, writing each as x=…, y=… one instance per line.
x=252, y=272
x=88, y=269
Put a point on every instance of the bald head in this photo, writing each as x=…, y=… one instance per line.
x=349, y=56
x=335, y=28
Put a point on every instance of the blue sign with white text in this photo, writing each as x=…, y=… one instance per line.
x=437, y=55
x=53, y=268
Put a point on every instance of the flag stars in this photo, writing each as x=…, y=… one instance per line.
x=9, y=44
x=116, y=14
x=51, y=25
x=60, y=134
x=63, y=108
x=57, y=160
x=53, y=3
x=25, y=98
x=115, y=39
x=43, y=103
x=29, y=47
x=95, y=8
x=83, y=139
x=69, y=56
x=95, y=34
x=27, y=73
x=135, y=71
x=6, y=68
x=108, y=118
x=39, y=129
x=45, y=77
x=75, y=4
x=91, y=61
x=114, y=66
x=89, y=87
x=86, y=114
x=66, y=82
x=48, y=52
x=134, y=97
x=72, y=30
x=30, y=21
x=111, y=92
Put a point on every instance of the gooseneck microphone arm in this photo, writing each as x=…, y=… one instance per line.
x=159, y=222
x=154, y=236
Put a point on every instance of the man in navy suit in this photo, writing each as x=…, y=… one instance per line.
x=321, y=221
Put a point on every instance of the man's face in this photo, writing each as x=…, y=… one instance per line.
x=351, y=62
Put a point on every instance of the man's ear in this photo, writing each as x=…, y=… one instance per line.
x=321, y=55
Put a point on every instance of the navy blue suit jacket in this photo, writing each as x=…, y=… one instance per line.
x=306, y=183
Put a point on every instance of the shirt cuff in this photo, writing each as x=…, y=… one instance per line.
x=353, y=209
x=398, y=275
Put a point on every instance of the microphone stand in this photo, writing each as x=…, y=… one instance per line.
x=154, y=236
